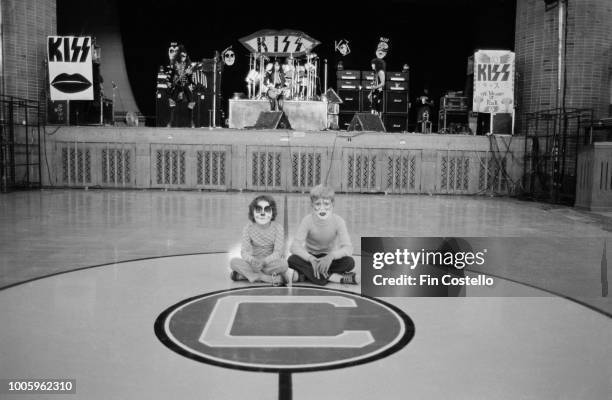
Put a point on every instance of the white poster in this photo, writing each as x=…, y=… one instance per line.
x=493, y=81
x=70, y=67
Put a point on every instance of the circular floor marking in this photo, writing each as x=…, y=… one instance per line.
x=284, y=329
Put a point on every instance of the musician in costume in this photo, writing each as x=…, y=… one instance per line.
x=165, y=71
x=275, y=83
x=376, y=93
x=180, y=87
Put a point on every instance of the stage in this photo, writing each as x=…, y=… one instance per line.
x=302, y=115
x=279, y=160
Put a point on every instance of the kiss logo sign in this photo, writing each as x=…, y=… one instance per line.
x=70, y=67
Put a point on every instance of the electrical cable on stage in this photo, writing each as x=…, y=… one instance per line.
x=331, y=160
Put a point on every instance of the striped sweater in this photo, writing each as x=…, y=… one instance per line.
x=262, y=242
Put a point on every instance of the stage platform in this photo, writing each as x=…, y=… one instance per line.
x=279, y=160
x=302, y=115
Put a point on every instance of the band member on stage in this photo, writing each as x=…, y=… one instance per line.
x=376, y=93
x=275, y=82
x=181, y=84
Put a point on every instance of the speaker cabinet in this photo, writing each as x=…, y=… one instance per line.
x=350, y=100
x=366, y=122
x=272, y=120
x=395, y=122
x=348, y=75
x=366, y=103
x=396, y=102
x=502, y=124
x=368, y=75
x=162, y=109
x=203, y=111
x=396, y=86
x=397, y=76
x=347, y=84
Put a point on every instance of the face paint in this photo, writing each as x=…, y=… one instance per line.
x=382, y=49
x=172, y=50
x=262, y=212
x=229, y=57
x=342, y=47
x=323, y=208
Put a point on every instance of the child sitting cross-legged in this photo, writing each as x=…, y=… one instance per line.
x=261, y=254
x=321, y=249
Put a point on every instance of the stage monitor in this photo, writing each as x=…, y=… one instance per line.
x=272, y=120
x=366, y=122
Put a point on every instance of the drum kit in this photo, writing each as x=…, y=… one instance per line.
x=300, y=78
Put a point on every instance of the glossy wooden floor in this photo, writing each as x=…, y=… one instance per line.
x=96, y=324
x=49, y=231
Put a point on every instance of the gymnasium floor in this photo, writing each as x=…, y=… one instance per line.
x=110, y=262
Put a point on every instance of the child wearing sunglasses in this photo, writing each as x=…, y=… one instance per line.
x=261, y=254
x=321, y=249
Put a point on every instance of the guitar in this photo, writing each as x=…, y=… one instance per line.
x=275, y=90
x=375, y=95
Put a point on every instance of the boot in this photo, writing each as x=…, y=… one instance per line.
x=191, y=106
x=191, y=118
x=171, y=121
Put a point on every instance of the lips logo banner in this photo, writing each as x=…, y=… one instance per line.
x=70, y=67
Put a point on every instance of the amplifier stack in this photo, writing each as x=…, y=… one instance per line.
x=396, y=103
x=348, y=86
x=354, y=88
x=453, y=114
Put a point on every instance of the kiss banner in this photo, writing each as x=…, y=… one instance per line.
x=279, y=43
x=70, y=67
x=493, y=81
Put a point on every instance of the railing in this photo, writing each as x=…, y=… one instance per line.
x=20, y=149
x=550, y=164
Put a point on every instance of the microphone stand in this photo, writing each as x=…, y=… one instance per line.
x=214, y=113
x=325, y=76
x=113, y=105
